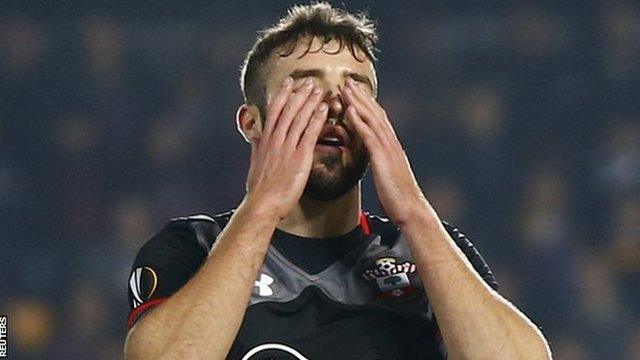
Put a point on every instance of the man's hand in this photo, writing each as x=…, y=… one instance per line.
x=281, y=159
x=206, y=313
x=475, y=321
x=398, y=191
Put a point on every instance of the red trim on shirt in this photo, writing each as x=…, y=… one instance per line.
x=364, y=222
x=135, y=313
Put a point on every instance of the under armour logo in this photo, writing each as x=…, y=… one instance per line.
x=263, y=285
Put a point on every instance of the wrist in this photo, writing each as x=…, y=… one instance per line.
x=421, y=213
x=258, y=208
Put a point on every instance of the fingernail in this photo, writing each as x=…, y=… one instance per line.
x=308, y=81
x=323, y=107
x=317, y=90
x=287, y=81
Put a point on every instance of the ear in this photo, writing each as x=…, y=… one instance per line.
x=248, y=122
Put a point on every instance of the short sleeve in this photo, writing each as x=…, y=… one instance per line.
x=478, y=262
x=167, y=261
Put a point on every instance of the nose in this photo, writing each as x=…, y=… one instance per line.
x=336, y=105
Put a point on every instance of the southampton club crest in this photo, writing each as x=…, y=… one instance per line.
x=392, y=278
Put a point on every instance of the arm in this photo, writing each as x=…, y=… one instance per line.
x=475, y=321
x=181, y=327
x=201, y=320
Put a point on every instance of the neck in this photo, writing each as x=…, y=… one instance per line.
x=319, y=219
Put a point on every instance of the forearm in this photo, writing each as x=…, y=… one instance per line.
x=201, y=320
x=475, y=321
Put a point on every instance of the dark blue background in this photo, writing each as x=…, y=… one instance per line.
x=520, y=121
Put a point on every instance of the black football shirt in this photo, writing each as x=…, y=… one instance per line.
x=354, y=296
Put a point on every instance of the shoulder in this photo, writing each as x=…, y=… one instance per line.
x=472, y=254
x=390, y=232
x=391, y=236
x=199, y=230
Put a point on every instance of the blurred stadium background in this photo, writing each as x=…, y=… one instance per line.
x=521, y=122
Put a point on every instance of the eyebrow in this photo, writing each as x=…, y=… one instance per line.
x=297, y=74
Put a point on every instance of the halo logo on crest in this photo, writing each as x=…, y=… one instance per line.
x=142, y=283
x=392, y=278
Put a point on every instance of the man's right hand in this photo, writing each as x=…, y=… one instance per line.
x=206, y=313
x=281, y=159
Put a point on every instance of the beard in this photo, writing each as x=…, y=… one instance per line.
x=330, y=178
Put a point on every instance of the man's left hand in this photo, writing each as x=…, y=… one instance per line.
x=399, y=193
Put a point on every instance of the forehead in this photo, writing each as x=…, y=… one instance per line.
x=327, y=57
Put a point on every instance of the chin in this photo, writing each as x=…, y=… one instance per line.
x=330, y=180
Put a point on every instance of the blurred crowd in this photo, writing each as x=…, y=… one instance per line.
x=521, y=122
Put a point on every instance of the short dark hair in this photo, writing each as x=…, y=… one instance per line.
x=314, y=20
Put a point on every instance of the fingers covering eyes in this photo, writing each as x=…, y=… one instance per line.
x=295, y=103
x=311, y=133
x=369, y=112
x=274, y=108
x=365, y=132
x=304, y=116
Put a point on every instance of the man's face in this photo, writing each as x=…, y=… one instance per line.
x=336, y=169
